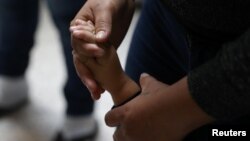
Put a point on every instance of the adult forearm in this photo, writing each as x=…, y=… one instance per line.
x=183, y=110
x=221, y=86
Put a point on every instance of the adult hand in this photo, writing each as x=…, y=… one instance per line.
x=111, y=19
x=161, y=113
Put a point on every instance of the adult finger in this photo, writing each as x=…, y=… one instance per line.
x=119, y=135
x=150, y=84
x=146, y=80
x=103, y=25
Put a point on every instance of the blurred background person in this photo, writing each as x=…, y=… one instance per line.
x=18, y=23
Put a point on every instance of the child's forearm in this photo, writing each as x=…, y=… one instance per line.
x=124, y=90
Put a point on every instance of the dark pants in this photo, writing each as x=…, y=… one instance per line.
x=159, y=45
x=160, y=48
x=18, y=22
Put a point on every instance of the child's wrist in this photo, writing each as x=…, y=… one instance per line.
x=125, y=89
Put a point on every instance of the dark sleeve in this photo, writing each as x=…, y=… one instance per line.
x=221, y=87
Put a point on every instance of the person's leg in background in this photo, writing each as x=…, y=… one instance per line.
x=18, y=21
x=79, y=122
x=159, y=45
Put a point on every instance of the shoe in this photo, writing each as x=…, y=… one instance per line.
x=13, y=94
x=89, y=137
x=7, y=111
x=78, y=128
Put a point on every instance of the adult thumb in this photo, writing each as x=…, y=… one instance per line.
x=115, y=116
x=146, y=80
x=103, y=25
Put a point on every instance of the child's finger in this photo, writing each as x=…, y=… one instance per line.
x=80, y=22
x=82, y=28
x=90, y=24
x=86, y=49
x=87, y=78
x=84, y=35
x=90, y=50
x=84, y=23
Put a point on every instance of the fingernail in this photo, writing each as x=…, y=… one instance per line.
x=144, y=75
x=100, y=34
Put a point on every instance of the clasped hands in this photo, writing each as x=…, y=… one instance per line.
x=160, y=112
x=85, y=48
x=138, y=117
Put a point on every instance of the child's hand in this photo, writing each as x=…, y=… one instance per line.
x=83, y=33
x=81, y=30
x=106, y=69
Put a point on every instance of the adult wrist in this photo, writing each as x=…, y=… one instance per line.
x=195, y=116
x=186, y=114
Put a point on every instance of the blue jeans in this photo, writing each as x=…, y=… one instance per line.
x=160, y=48
x=159, y=45
x=18, y=22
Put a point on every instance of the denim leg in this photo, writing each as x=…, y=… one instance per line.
x=78, y=98
x=18, y=21
x=160, y=48
x=159, y=45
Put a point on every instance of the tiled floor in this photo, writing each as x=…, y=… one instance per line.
x=40, y=120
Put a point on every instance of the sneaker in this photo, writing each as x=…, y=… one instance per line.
x=78, y=129
x=13, y=94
